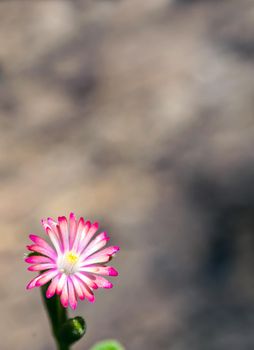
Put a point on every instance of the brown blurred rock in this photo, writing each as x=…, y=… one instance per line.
x=140, y=115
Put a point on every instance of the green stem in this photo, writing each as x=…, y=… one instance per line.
x=61, y=346
x=57, y=316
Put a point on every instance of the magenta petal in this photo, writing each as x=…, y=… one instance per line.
x=32, y=283
x=100, y=281
x=52, y=287
x=88, y=293
x=55, y=240
x=100, y=256
x=37, y=259
x=64, y=295
x=72, y=296
x=79, y=233
x=90, y=231
x=43, y=251
x=95, y=260
x=61, y=283
x=99, y=242
x=64, y=233
x=54, y=227
x=73, y=229
x=112, y=271
x=102, y=270
x=52, y=222
x=76, y=283
x=45, y=277
x=41, y=267
x=86, y=280
x=42, y=243
x=109, y=251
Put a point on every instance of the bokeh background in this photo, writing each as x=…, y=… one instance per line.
x=139, y=114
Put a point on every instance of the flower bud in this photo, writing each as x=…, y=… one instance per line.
x=72, y=330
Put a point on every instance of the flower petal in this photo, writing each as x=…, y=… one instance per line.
x=42, y=243
x=45, y=277
x=102, y=270
x=32, y=283
x=61, y=283
x=73, y=229
x=38, y=259
x=54, y=226
x=86, y=280
x=91, y=230
x=76, y=283
x=100, y=257
x=64, y=233
x=52, y=287
x=88, y=293
x=95, y=260
x=64, y=295
x=111, y=251
x=72, y=295
x=81, y=227
x=53, y=235
x=41, y=267
x=99, y=242
x=38, y=249
x=100, y=281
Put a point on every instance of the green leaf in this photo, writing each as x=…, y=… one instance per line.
x=108, y=345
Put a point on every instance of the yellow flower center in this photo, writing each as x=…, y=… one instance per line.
x=68, y=263
x=71, y=258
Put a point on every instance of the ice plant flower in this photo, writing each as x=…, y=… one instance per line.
x=74, y=263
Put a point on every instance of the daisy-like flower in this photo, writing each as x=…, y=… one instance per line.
x=74, y=263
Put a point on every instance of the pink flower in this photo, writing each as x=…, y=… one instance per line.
x=75, y=261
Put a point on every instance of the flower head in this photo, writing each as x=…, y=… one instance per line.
x=75, y=262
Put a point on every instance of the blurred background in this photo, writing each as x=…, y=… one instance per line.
x=138, y=114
